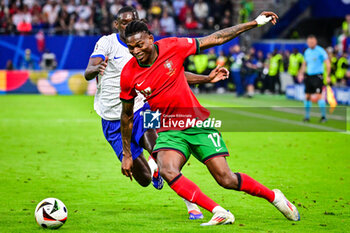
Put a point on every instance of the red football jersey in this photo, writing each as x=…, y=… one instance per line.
x=164, y=83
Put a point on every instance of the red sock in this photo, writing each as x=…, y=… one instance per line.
x=191, y=192
x=254, y=188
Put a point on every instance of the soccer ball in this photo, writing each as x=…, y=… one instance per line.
x=51, y=213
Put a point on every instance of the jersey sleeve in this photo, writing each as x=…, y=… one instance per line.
x=323, y=54
x=128, y=92
x=101, y=48
x=187, y=46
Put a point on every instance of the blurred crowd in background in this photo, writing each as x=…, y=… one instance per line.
x=250, y=70
x=253, y=71
x=91, y=17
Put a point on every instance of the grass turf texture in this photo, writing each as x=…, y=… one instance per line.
x=54, y=147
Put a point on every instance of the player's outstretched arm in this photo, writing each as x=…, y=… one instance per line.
x=216, y=75
x=96, y=66
x=127, y=118
x=227, y=34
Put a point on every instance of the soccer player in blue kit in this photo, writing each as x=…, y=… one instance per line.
x=106, y=63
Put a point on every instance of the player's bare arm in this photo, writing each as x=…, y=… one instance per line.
x=227, y=34
x=127, y=120
x=216, y=75
x=302, y=72
x=96, y=66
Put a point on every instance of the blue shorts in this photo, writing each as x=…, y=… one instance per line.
x=250, y=79
x=111, y=130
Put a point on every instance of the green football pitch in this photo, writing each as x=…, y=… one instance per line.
x=53, y=146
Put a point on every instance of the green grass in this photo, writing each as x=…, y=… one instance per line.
x=54, y=147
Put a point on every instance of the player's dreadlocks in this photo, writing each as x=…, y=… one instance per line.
x=136, y=26
x=127, y=9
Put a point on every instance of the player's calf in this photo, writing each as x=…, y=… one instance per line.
x=227, y=180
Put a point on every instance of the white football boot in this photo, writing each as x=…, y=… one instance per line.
x=220, y=218
x=285, y=206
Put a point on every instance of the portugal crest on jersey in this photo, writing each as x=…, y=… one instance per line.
x=169, y=65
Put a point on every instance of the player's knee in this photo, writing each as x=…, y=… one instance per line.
x=168, y=174
x=144, y=182
x=144, y=179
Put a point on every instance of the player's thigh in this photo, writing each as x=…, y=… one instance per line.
x=111, y=131
x=148, y=140
x=172, y=140
x=170, y=163
x=206, y=143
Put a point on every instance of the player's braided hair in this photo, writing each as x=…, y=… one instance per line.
x=136, y=26
x=127, y=9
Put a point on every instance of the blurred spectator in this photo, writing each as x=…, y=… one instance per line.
x=83, y=10
x=48, y=61
x=167, y=24
x=81, y=27
x=201, y=10
x=178, y=5
x=28, y=62
x=35, y=9
x=236, y=60
x=13, y=8
x=155, y=27
x=65, y=24
x=51, y=11
x=155, y=10
x=24, y=27
x=296, y=59
x=346, y=25
x=117, y=5
x=247, y=8
x=275, y=67
x=190, y=22
x=201, y=67
x=140, y=11
x=212, y=58
x=59, y=16
x=71, y=7
x=222, y=61
x=9, y=65
x=226, y=20
x=251, y=68
x=217, y=9
x=22, y=15
x=210, y=24
x=185, y=10
x=29, y=3
x=260, y=80
x=285, y=59
x=341, y=69
x=333, y=60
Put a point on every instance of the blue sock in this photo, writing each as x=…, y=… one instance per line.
x=307, y=105
x=322, y=105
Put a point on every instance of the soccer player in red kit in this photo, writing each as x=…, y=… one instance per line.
x=157, y=71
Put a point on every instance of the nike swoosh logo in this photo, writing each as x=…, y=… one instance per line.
x=217, y=150
x=139, y=84
x=117, y=57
